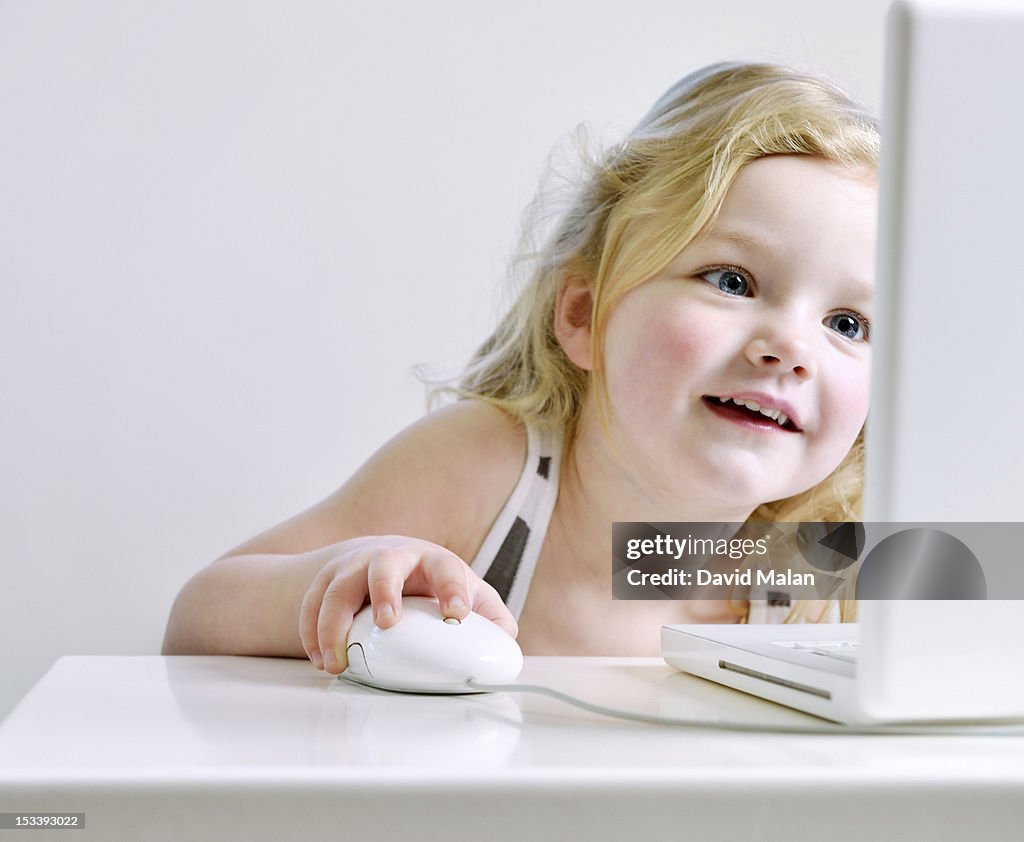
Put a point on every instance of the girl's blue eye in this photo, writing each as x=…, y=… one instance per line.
x=849, y=325
x=728, y=281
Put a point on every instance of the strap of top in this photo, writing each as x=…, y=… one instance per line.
x=508, y=556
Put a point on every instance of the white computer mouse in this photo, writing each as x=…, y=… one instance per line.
x=427, y=653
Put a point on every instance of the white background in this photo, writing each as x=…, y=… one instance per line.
x=229, y=230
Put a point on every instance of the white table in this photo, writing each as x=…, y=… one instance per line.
x=253, y=748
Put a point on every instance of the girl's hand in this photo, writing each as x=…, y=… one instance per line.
x=384, y=568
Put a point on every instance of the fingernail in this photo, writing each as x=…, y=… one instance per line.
x=330, y=659
x=383, y=612
x=456, y=604
x=318, y=662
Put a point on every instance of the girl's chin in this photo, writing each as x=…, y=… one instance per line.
x=740, y=491
x=725, y=478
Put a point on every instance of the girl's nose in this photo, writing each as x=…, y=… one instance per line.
x=782, y=352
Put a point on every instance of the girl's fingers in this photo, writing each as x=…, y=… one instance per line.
x=460, y=591
x=342, y=599
x=487, y=603
x=336, y=594
x=386, y=575
x=450, y=578
x=309, y=615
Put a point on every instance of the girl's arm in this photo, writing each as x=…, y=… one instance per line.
x=429, y=496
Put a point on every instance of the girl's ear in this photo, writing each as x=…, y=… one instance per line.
x=573, y=312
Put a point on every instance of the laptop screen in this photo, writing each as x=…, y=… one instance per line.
x=944, y=439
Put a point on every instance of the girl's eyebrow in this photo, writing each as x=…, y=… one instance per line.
x=740, y=238
x=858, y=290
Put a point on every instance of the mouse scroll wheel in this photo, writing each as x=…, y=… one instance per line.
x=451, y=621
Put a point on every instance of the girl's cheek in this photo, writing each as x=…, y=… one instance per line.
x=848, y=406
x=662, y=349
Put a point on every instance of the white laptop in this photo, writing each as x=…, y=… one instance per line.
x=945, y=441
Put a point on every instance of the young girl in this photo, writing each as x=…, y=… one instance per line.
x=692, y=346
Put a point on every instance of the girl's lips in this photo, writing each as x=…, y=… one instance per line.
x=764, y=401
x=747, y=418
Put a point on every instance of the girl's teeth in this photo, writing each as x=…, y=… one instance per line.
x=777, y=415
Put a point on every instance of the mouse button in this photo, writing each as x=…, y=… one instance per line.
x=453, y=621
x=357, y=661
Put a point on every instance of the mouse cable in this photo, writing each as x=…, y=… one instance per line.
x=931, y=730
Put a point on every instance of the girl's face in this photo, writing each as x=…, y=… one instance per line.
x=770, y=307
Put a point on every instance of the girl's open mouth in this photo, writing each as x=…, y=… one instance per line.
x=750, y=413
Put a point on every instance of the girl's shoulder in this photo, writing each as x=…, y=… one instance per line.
x=443, y=479
x=465, y=438
x=471, y=440
x=472, y=454
x=484, y=426
x=448, y=475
